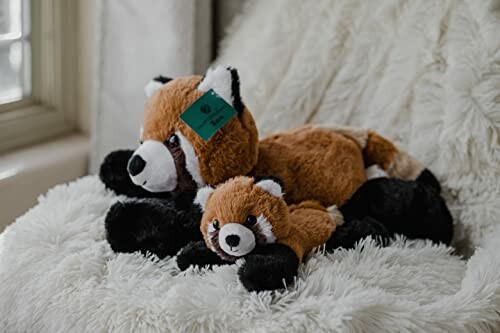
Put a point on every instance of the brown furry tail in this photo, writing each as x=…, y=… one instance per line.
x=382, y=152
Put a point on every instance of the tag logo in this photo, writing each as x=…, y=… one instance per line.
x=205, y=109
x=208, y=114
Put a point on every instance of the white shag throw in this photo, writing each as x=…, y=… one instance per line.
x=58, y=274
x=424, y=73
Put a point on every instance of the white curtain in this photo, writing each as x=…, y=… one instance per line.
x=138, y=40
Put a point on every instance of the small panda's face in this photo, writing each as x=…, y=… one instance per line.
x=231, y=240
x=172, y=157
x=239, y=215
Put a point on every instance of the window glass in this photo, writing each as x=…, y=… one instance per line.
x=15, y=50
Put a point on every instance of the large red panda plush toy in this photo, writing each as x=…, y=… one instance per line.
x=175, y=158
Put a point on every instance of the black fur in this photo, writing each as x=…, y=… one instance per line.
x=158, y=226
x=198, y=254
x=235, y=90
x=268, y=267
x=427, y=178
x=162, y=79
x=265, y=268
x=113, y=173
x=409, y=208
x=159, y=223
x=352, y=231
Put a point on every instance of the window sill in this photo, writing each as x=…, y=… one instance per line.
x=26, y=173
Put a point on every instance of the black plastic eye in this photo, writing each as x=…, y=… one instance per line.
x=173, y=140
x=215, y=224
x=251, y=220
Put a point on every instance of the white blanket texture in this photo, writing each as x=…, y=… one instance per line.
x=424, y=73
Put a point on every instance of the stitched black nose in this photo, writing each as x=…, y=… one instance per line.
x=135, y=165
x=232, y=240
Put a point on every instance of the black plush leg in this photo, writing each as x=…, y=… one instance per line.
x=113, y=173
x=198, y=254
x=267, y=267
x=347, y=234
x=427, y=178
x=161, y=227
x=411, y=208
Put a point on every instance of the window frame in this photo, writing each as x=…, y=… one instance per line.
x=51, y=109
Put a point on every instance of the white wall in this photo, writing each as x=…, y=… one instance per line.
x=137, y=41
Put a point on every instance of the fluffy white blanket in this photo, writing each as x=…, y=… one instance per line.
x=426, y=73
x=58, y=274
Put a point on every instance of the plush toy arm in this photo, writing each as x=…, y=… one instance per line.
x=157, y=226
x=269, y=267
x=113, y=173
x=198, y=254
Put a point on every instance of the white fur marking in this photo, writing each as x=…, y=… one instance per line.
x=266, y=229
x=246, y=243
x=159, y=173
x=336, y=215
x=192, y=163
x=271, y=187
x=152, y=87
x=203, y=195
x=375, y=171
x=210, y=231
x=219, y=80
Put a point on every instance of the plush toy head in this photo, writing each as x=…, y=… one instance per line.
x=241, y=213
x=172, y=157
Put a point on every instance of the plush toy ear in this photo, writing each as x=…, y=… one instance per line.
x=271, y=185
x=203, y=195
x=225, y=81
x=156, y=84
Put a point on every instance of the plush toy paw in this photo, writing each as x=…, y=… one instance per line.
x=352, y=231
x=151, y=225
x=198, y=254
x=410, y=208
x=269, y=268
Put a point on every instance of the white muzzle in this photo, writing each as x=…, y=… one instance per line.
x=153, y=168
x=236, y=239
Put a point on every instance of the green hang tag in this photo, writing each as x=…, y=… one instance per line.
x=208, y=114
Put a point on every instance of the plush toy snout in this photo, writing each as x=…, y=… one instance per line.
x=236, y=239
x=153, y=167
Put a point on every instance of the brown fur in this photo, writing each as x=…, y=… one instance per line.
x=311, y=226
x=322, y=164
x=313, y=163
x=378, y=150
x=302, y=227
x=237, y=139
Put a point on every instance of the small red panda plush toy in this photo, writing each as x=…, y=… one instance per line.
x=243, y=214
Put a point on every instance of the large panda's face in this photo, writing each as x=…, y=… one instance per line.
x=239, y=215
x=172, y=157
